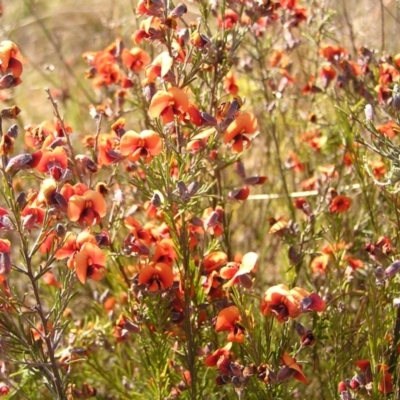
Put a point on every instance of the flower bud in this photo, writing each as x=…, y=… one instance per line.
x=369, y=112
x=5, y=263
x=183, y=191
x=60, y=230
x=149, y=91
x=396, y=102
x=13, y=131
x=379, y=273
x=193, y=188
x=392, y=270
x=240, y=170
x=342, y=387
x=299, y=328
x=179, y=11
x=156, y=200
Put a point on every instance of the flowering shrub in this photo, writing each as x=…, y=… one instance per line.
x=141, y=261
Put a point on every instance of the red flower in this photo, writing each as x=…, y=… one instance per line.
x=33, y=217
x=332, y=53
x=224, y=352
x=5, y=259
x=284, y=303
x=228, y=320
x=165, y=252
x=239, y=194
x=135, y=59
x=239, y=273
x=53, y=162
x=73, y=243
x=157, y=277
x=108, y=152
x=279, y=301
x=87, y=209
x=320, y=263
x=244, y=124
x=10, y=65
x=140, y=145
x=390, y=129
x=340, y=204
x=214, y=261
x=169, y=104
x=291, y=368
x=230, y=84
x=229, y=19
x=159, y=68
x=327, y=74
x=89, y=262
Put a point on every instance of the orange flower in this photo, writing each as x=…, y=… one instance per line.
x=212, y=285
x=224, y=352
x=53, y=162
x=73, y=243
x=239, y=273
x=106, y=68
x=284, y=303
x=109, y=152
x=327, y=74
x=364, y=365
x=244, y=124
x=230, y=84
x=49, y=279
x=89, y=262
x=354, y=263
x=169, y=104
x=332, y=53
x=157, y=277
x=320, y=263
x=278, y=226
x=10, y=65
x=390, y=129
x=140, y=145
x=239, y=194
x=227, y=320
x=213, y=220
x=340, y=204
x=5, y=259
x=160, y=67
x=165, y=252
x=279, y=58
x=293, y=162
x=289, y=4
x=279, y=301
x=33, y=217
x=229, y=19
x=199, y=141
x=378, y=169
x=386, y=382
x=68, y=190
x=387, y=73
x=194, y=115
x=138, y=231
x=35, y=135
x=6, y=144
x=291, y=368
x=214, y=261
x=149, y=27
x=135, y=59
x=88, y=208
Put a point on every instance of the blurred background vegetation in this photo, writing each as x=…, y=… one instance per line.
x=52, y=35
